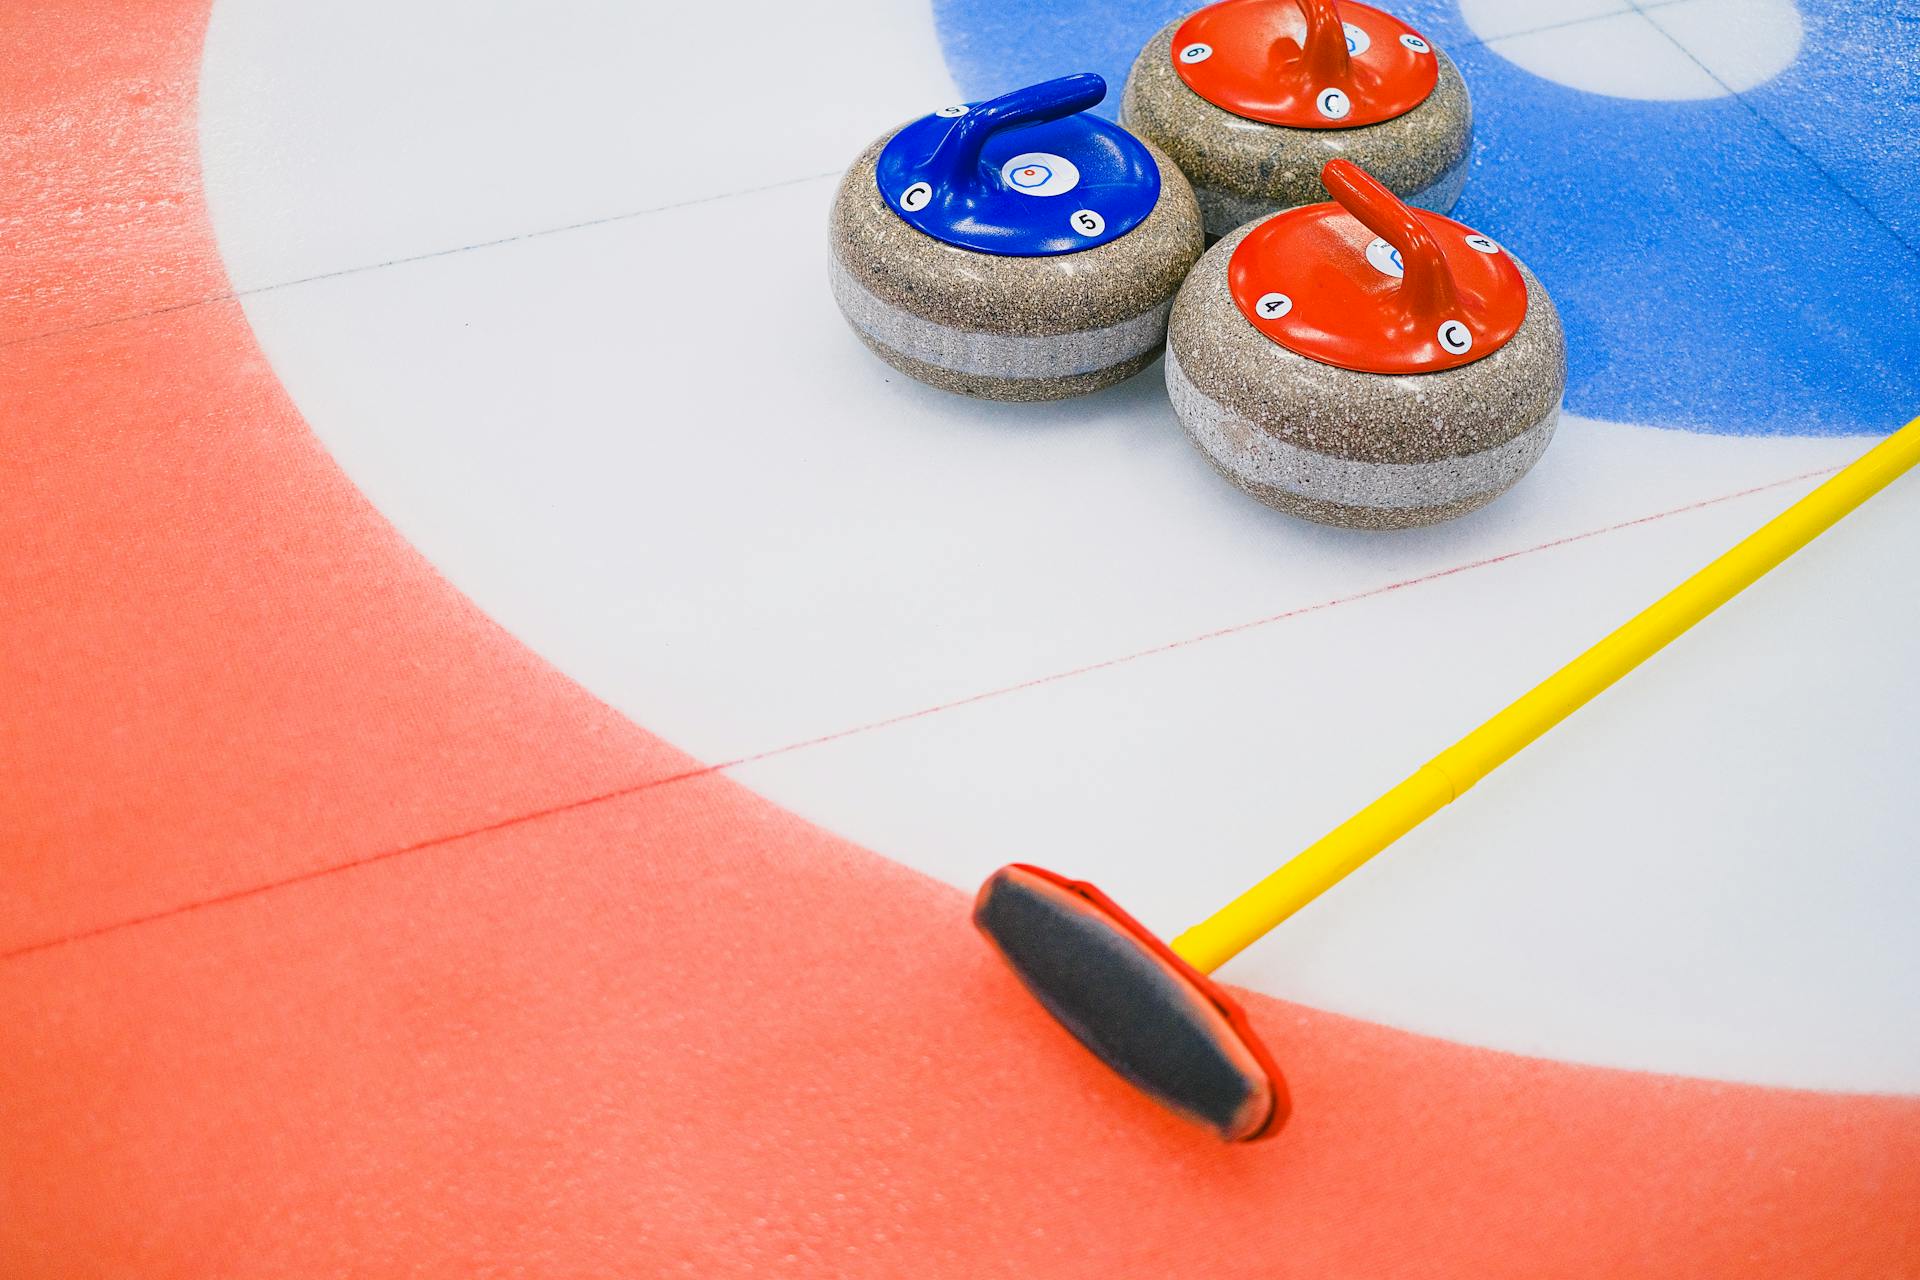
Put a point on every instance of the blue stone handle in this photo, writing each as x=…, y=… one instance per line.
x=944, y=173
x=955, y=163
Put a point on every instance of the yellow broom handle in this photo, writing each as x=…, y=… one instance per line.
x=1440, y=781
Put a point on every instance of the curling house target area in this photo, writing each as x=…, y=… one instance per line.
x=718, y=513
x=961, y=638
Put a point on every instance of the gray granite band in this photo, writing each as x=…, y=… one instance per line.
x=996, y=355
x=1222, y=211
x=1251, y=456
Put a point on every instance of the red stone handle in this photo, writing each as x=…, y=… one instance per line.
x=1426, y=283
x=1324, y=51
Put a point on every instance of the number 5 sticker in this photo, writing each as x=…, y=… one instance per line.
x=1088, y=223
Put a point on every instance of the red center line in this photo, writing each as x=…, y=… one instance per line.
x=703, y=771
x=1256, y=623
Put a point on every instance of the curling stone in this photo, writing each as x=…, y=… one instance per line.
x=1015, y=249
x=1365, y=364
x=1252, y=97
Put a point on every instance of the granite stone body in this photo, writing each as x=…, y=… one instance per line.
x=1009, y=328
x=1364, y=450
x=1244, y=169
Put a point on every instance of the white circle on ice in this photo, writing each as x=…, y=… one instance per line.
x=814, y=557
x=1385, y=258
x=953, y=112
x=1675, y=52
x=1088, y=223
x=1455, y=337
x=1358, y=41
x=1333, y=103
x=1196, y=53
x=1040, y=173
x=1271, y=306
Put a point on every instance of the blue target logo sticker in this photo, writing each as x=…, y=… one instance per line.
x=1358, y=41
x=1040, y=173
x=1385, y=259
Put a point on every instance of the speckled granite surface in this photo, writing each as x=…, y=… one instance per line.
x=1009, y=327
x=1360, y=449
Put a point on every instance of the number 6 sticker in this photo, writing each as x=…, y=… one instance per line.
x=1088, y=223
x=916, y=197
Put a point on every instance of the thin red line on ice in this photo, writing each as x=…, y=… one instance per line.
x=688, y=775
